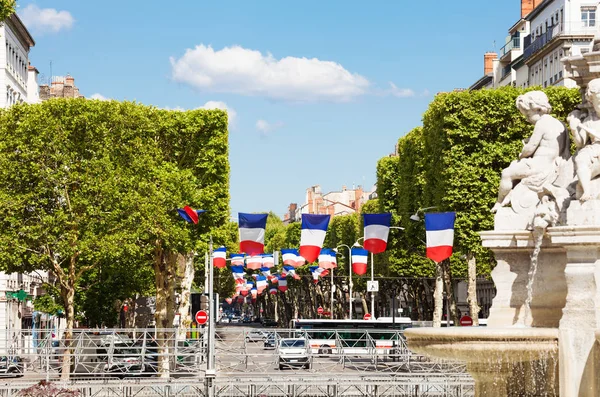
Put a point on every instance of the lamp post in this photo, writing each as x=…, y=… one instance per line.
x=373, y=275
x=350, y=284
x=415, y=217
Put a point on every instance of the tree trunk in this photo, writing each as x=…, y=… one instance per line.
x=472, y=288
x=186, y=272
x=450, y=294
x=69, y=301
x=438, y=300
x=365, y=307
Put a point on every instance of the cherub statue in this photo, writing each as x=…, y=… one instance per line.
x=542, y=153
x=585, y=126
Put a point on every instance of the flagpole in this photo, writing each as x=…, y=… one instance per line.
x=372, y=293
x=350, y=281
x=331, y=314
x=210, y=363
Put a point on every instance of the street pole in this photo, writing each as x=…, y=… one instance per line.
x=331, y=308
x=350, y=281
x=210, y=362
x=372, y=293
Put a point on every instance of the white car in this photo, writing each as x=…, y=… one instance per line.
x=293, y=352
x=255, y=336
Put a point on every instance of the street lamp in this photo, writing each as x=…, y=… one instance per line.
x=356, y=244
x=415, y=217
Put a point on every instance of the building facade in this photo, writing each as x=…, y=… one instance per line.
x=61, y=87
x=547, y=31
x=17, y=80
x=346, y=201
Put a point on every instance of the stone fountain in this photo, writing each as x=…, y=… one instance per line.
x=543, y=331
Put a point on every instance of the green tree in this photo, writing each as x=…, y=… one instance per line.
x=7, y=8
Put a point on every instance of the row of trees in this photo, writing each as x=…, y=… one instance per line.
x=88, y=192
x=453, y=163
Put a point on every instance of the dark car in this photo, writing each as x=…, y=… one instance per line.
x=270, y=340
x=11, y=366
x=269, y=322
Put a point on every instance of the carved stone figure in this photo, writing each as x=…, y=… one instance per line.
x=585, y=125
x=541, y=160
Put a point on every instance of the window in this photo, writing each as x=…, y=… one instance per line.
x=588, y=17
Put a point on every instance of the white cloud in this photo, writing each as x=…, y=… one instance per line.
x=176, y=108
x=248, y=72
x=231, y=114
x=400, y=92
x=265, y=127
x=46, y=19
x=99, y=97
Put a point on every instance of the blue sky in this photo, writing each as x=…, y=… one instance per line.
x=318, y=90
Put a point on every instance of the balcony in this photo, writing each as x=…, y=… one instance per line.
x=513, y=44
x=506, y=71
x=577, y=28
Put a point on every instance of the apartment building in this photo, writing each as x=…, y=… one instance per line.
x=547, y=31
x=18, y=80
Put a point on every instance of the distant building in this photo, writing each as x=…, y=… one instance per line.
x=346, y=201
x=547, y=31
x=18, y=81
x=61, y=87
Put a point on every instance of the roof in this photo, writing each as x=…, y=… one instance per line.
x=21, y=30
x=482, y=82
x=537, y=10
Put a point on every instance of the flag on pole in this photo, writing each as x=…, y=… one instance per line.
x=282, y=284
x=377, y=230
x=274, y=278
x=290, y=271
x=268, y=261
x=359, y=260
x=266, y=272
x=261, y=283
x=189, y=214
x=219, y=256
x=254, y=292
x=252, y=233
x=238, y=273
x=439, y=229
x=326, y=259
x=318, y=272
x=254, y=262
x=237, y=260
x=312, y=235
x=289, y=256
x=273, y=291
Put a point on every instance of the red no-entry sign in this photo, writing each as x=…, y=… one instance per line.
x=367, y=316
x=320, y=310
x=466, y=321
x=201, y=317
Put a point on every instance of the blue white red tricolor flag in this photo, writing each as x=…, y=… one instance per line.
x=189, y=214
x=282, y=284
x=289, y=271
x=254, y=262
x=219, y=256
x=273, y=290
x=238, y=273
x=327, y=259
x=318, y=272
x=268, y=260
x=314, y=228
x=439, y=228
x=252, y=233
x=359, y=260
x=377, y=229
x=290, y=257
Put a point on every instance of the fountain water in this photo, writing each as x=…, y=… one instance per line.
x=543, y=334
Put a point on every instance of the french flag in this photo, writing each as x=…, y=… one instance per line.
x=282, y=284
x=261, y=283
x=290, y=271
x=274, y=278
x=268, y=261
x=237, y=260
x=273, y=291
x=318, y=272
x=377, y=229
x=326, y=259
x=228, y=300
x=252, y=233
x=314, y=228
x=219, y=256
x=189, y=214
x=289, y=256
x=439, y=228
x=254, y=262
x=359, y=260
x=238, y=273
x=254, y=292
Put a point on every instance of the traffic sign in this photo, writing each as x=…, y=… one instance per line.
x=373, y=286
x=367, y=316
x=201, y=317
x=320, y=310
x=466, y=321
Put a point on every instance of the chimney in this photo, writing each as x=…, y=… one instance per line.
x=526, y=7
x=488, y=62
x=69, y=81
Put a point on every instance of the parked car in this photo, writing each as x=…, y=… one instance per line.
x=11, y=366
x=255, y=336
x=129, y=361
x=270, y=340
x=293, y=352
x=269, y=322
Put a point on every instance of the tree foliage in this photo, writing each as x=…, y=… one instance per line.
x=7, y=8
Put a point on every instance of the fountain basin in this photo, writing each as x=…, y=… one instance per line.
x=485, y=345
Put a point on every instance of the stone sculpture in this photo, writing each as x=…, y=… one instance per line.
x=585, y=126
x=542, y=159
